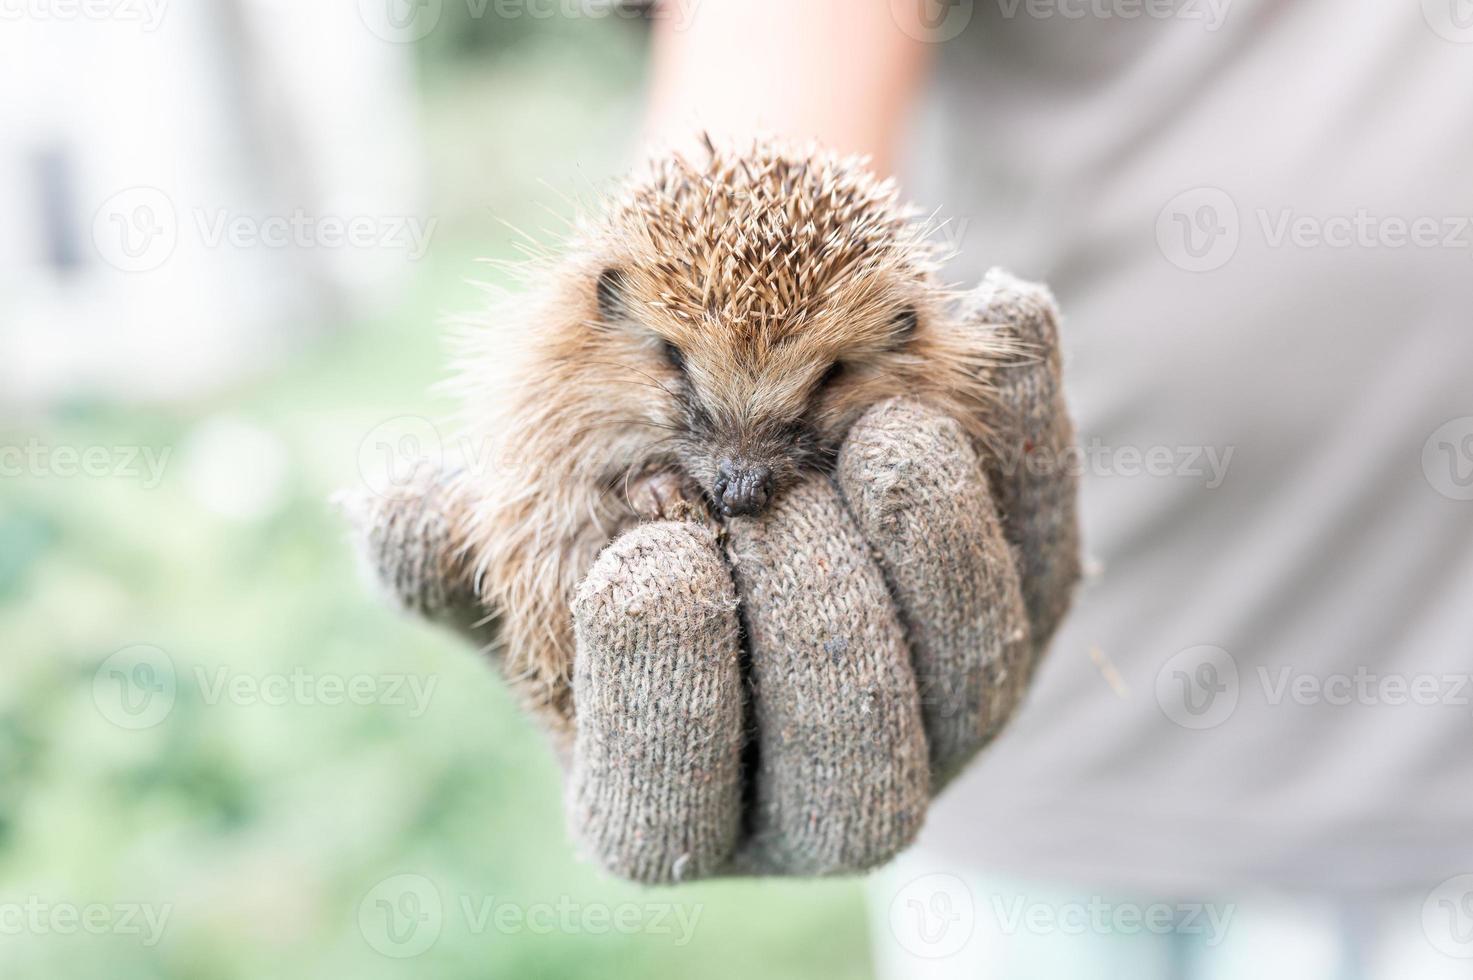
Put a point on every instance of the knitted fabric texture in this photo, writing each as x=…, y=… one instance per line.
x=656, y=784
x=911, y=480
x=1031, y=466
x=841, y=781
x=784, y=694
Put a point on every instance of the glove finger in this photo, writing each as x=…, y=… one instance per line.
x=916, y=488
x=1033, y=478
x=412, y=544
x=655, y=791
x=841, y=781
x=408, y=542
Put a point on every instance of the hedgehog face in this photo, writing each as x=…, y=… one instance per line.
x=773, y=295
x=748, y=407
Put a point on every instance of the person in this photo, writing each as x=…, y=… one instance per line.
x=1246, y=750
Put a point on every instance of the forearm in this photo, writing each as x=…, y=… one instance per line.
x=837, y=71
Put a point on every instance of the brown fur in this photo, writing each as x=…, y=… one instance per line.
x=764, y=268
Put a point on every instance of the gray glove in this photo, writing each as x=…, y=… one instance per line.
x=892, y=615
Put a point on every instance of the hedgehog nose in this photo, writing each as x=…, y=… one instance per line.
x=741, y=488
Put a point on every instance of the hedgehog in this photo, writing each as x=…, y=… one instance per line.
x=719, y=322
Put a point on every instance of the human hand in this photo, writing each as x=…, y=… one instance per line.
x=892, y=614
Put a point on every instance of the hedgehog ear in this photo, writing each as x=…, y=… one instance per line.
x=611, y=306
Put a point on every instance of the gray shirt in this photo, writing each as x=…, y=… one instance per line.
x=1256, y=216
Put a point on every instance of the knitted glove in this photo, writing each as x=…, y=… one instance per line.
x=892, y=614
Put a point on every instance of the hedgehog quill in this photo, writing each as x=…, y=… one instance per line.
x=722, y=322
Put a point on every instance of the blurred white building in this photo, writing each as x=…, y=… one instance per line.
x=187, y=187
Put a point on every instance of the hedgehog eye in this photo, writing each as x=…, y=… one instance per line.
x=611, y=295
x=673, y=355
x=834, y=373
x=904, y=324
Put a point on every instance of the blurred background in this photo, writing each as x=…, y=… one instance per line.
x=232, y=230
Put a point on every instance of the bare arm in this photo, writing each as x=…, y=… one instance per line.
x=842, y=72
